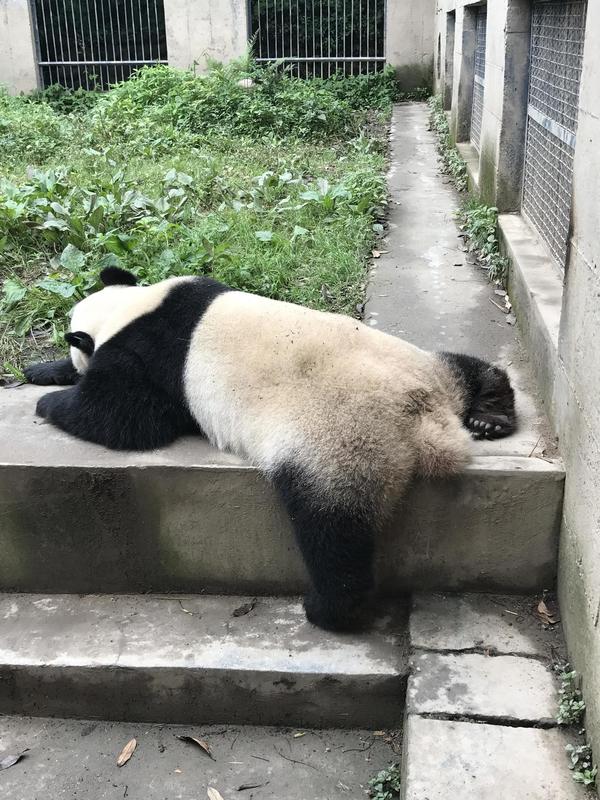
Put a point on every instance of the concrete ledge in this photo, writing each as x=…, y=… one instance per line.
x=469, y=761
x=471, y=159
x=510, y=689
x=535, y=289
x=79, y=518
x=191, y=660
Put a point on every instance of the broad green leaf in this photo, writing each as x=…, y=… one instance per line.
x=13, y=291
x=72, y=258
x=264, y=236
x=57, y=287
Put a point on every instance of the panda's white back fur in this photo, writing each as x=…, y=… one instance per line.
x=276, y=382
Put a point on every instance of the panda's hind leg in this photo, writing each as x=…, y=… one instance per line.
x=337, y=545
x=489, y=396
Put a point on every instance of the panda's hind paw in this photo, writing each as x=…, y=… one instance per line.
x=489, y=426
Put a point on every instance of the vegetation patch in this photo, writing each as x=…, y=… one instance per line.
x=571, y=711
x=478, y=221
x=271, y=184
x=452, y=163
x=386, y=784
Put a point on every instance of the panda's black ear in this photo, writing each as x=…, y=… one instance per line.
x=82, y=341
x=115, y=276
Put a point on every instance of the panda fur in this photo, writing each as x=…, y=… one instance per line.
x=338, y=416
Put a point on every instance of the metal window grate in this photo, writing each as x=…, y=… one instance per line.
x=478, y=76
x=318, y=38
x=95, y=43
x=557, y=36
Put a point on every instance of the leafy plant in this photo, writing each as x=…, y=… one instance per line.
x=571, y=706
x=480, y=226
x=386, y=784
x=172, y=174
x=452, y=162
x=584, y=770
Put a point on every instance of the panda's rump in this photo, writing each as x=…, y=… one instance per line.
x=278, y=383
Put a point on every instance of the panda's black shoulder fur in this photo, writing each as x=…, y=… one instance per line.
x=138, y=375
x=115, y=276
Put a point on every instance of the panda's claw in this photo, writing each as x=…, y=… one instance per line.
x=490, y=426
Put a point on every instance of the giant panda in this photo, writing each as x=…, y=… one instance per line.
x=338, y=416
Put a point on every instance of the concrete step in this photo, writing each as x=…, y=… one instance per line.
x=482, y=703
x=79, y=518
x=468, y=761
x=70, y=759
x=196, y=659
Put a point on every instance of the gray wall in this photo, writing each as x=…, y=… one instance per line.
x=577, y=392
x=218, y=29
x=18, y=66
x=409, y=41
x=568, y=365
x=201, y=29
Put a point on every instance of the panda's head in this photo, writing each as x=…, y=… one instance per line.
x=91, y=315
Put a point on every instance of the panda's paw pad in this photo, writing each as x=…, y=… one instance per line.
x=489, y=426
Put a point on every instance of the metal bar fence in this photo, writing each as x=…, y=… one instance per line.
x=478, y=77
x=319, y=38
x=556, y=57
x=96, y=43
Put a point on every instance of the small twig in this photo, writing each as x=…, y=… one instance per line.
x=498, y=306
x=187, y=611
x=535, y=446
x=261, y=758
x=359, y=749
x=293, y=760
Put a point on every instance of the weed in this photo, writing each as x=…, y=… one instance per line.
x=452, y=162
x=571, y=709
x=571, y=706
x=386, y=784
x=137, y=179
x=479, y=223
x=582, y=764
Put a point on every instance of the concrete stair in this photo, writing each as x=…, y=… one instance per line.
x=78, y=518
x=192, y=659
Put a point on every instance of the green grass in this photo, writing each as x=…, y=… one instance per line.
x=277, y=189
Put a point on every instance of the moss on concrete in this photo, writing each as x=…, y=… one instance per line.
x=415, y=75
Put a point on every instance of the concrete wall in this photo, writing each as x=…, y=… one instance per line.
x=577, y=393
x=18, y=64
x=568, y=365
x=410, y=42
x=201, y=29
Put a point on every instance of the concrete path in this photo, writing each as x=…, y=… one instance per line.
x=76, y=760
x=425, y=290
x=482, y=702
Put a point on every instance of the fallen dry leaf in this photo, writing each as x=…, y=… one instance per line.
x=10, y=759
x=379, y=733
x=245, y=609
x=126, y=752
x=548, y=615
x=199, y=742
x=245, y=786
x=213, y=794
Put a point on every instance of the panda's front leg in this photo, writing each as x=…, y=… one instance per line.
x=59, y=407
x=52, y=373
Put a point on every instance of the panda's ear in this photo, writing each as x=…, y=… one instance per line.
x=115, y=276
x=82, y=341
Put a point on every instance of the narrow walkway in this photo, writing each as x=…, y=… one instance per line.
x=425, y=290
